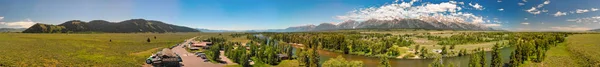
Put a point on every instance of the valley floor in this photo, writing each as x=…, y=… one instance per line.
x=579, y=50
x=83, y=50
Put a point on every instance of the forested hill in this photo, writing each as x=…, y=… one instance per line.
x=598, y=30
x=127, y=26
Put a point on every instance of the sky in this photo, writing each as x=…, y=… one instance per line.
x=513, y=15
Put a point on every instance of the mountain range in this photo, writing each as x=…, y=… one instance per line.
x=377, y=24
x=598, y=30
x=12, y=29
x=127, y=26
x=391, y=24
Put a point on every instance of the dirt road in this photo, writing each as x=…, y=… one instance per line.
x=189, y=59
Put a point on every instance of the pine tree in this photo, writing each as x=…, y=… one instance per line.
x=496, y=57
x=313, y=57
x=475, y=61
x=482, y=59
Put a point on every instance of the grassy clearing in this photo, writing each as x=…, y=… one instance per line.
x=558, y=56
x=83, y=50
x=585, y=47
x=580, y=50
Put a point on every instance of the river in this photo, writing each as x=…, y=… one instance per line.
x=462, y=61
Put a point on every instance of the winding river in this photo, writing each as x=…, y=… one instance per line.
x=461, y=61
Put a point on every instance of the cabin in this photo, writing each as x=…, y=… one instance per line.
x=203, y=45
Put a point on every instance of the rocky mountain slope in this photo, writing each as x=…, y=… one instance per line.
x=391, y=24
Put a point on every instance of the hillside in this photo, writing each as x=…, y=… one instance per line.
x=127, y=26
x=598, y=30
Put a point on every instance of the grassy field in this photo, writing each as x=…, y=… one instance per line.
x=580, y=50
x=83, y=50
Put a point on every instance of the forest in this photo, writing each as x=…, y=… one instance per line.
x=266, y=49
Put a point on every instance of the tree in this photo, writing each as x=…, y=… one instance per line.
x=482, y=58
x=475, y=61
x=417, y=49
x=339, y=61
x=444, y=50
x=452, y=46
x=302, y=57
x=437, y=62
x=313, y=57
x=384, y=62
x=214, y=52
x=496, y=57
x=244, y=60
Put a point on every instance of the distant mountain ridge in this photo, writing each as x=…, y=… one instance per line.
x=127, y=26
x=12, y=29
x=598, y=30
x=391, y=24
x=377, y=24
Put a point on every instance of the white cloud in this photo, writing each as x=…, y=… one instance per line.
x=589, y=20
x=477, y=6
x=544, y=10
x=525, y=18
x=581, y=11
x=559, y=14
x=499, y=1
x=441, y=12
x=521, y=4
x=21, y=24
x=525, y=23
x=524, y=0
x=492, y=25
x=501, y=9
x=1, y=18
x=594, y=9
x=533, y=10
x=571, y=28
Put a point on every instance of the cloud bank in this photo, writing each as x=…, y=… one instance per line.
x=441, y=12
x=588, y=20
x=19, y=24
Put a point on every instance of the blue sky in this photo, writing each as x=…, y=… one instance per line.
x=278, y=14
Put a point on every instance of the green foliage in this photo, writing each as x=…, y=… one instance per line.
x=444, y=51
x=339, y=61
x=214, y=52
x=384, y=62
x=532, y=46
x=437, y=62
x=313, y=57
x=477, y=59
x=348, y=43
x=466, y=38
x=496, y=57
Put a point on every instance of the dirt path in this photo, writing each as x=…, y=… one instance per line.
x=189, y=59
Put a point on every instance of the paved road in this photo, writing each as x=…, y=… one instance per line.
x=189, y=59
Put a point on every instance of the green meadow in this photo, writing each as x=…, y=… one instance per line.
x=84, y=50
x=579, y=50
